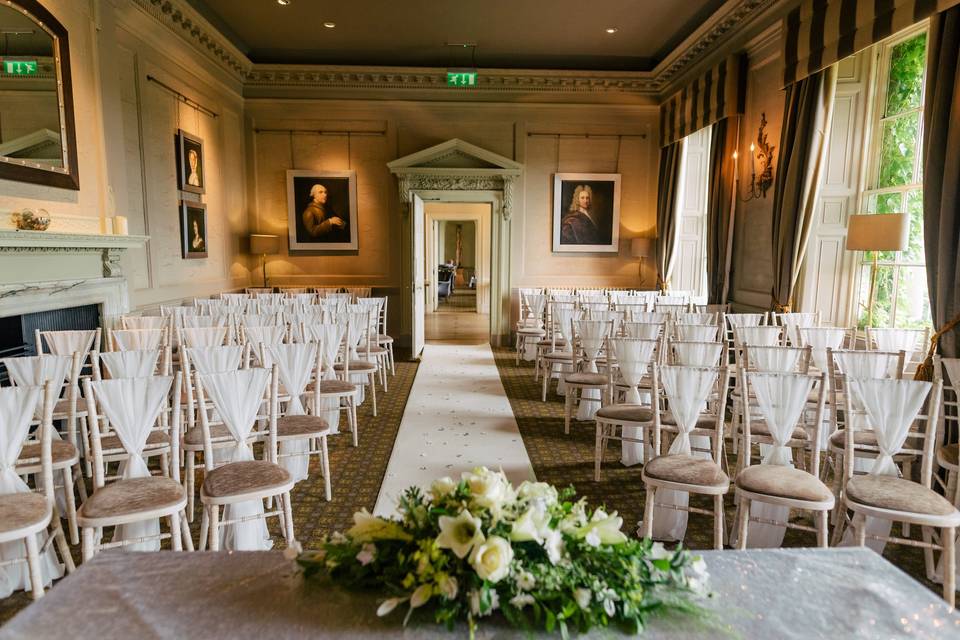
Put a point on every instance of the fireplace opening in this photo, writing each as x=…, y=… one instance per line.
x=17, y=332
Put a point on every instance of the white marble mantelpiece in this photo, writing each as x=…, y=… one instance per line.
x=41, y=271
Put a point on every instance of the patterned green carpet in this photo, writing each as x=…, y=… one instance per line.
x=568, y=460
x=357, y=475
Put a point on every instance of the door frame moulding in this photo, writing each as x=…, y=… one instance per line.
x=457, y=171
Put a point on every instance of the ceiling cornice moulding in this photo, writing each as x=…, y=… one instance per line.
x=184, y=20
x=723, y=26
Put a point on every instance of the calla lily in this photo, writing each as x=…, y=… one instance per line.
x=460, y=534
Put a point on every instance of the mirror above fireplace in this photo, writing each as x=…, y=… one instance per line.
x=37, y=136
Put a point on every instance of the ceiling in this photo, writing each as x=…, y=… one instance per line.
x=509, y=34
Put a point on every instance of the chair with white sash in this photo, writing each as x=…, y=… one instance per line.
x=234, y=298
x=242, y=483
x=300, y=435
x=819, y=339
x=29, y=522
x=586, y=387
x=948, y=451
x=379, y=352
x=144, y=322
x=692, y=353
x=792, y=322
x=698, y=317
x=193, y=337
x=642, y=330
x=695, y=332
x=765, y=493
x=557, y=356
x=204, y=305
x=333, y=393
x=66, y=343
x=136, y=339
x=135, y=500
x=687, y=467
x=629, y=361
x=206, y=360
x=360, y=366
x=913, y=341
x=63, y=373
x=895, y=410
x=530, y=327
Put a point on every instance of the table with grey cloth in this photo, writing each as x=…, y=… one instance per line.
x=781, y=593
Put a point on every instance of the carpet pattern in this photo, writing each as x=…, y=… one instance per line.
x=565, y=460
x=357, y=475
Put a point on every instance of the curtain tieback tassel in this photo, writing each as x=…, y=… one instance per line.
x=925, y=370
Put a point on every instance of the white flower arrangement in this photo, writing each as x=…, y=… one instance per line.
x=477, y=545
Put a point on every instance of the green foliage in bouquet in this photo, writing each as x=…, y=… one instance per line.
x=476, y=546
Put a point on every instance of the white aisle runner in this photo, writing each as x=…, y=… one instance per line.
x=457, y=417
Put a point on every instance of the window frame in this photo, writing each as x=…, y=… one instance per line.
x=872, y=147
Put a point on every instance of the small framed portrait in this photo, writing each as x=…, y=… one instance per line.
x=193, y=229
x=586, y=212
x=322, y=210
x=191, y=175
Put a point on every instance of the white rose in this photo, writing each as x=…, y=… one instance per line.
x=582, y=596
x=489, y=489
x=442, y=487
x=460, y=534
x=491, y=559
x=448, y=587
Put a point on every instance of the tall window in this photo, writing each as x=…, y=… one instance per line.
x=895, y=185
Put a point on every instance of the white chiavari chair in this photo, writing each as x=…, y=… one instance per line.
x=299, y=434
x=913, y=341
x=557, y=356
x=686, y=467
x=204, y=305
x=334, y=393
x=192, y=337
x=792, y=322
x=135, y=500
x=628, y=367
x=360, y=366
x=766, y=493
x=904, y=415
x=530, y=327
x=819, y=339
x=694, y=353
x=323, y=292
x=144, y=322
x=63, y=373
x=29, y=520
x=380, y=352
x=586, y=387
x=242, y=483
x=234, y=298
x=695, y=332
x=948, y=451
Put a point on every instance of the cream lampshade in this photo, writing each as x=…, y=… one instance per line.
x=641, y=248
x=877, y=232
x=264, y=244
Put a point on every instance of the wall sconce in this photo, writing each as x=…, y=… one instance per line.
x=760, y=153
x=641, y=248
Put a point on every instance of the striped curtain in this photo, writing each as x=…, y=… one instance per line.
x=819, y=33
x=716, y=94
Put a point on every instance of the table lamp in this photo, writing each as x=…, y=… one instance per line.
x=641, y=248
x=877, y=232
x=265, y=245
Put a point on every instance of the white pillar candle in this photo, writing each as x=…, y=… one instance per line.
x=120, y=226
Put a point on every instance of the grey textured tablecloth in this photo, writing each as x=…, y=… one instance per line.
x=783, y=593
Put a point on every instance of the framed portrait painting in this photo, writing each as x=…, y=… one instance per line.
x=586, y=212
x=191, y=176
x=193, y=229
x=322, y=210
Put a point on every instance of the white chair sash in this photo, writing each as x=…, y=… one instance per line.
x=745, y=319
x=819, y=339
x=633, y=360
x=237, y=396
x=891, y=405
x=131, y=364
x=773, y=359
x=764, y=336
x=131, y=406
x=18, y=405
x=204, y=336
x=697, y=354
x=696, y=332
x=35, y=371
x=888, y=339
x=687, y=389
x=295, y=366
x=651, y=317
x=67, y=343
x=781, y=399
x=330, y=337
x=867, y=364
x=592, y=333
x=209, y=360
x=204, y=322
x=536, y=302
x=642, y=330
x=143, y=322
x=136, y=339
x=793, y=322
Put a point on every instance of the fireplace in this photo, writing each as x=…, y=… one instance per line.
x=17, y=333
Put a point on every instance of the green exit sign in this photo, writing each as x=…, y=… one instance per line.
x=20, y=67
x=461, y=78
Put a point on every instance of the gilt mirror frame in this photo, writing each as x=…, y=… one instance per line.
x=68, y=176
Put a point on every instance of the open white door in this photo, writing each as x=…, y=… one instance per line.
x=419, y=268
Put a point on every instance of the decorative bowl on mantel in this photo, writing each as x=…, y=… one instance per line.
x=28, y=220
